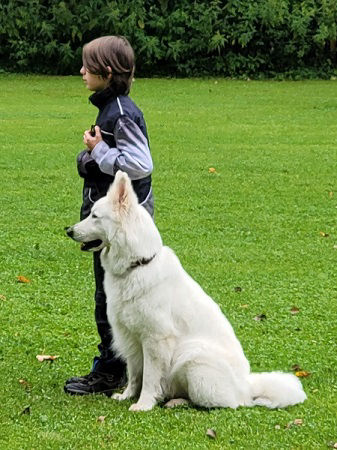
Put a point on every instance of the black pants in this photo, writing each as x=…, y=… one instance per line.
x=107, y=362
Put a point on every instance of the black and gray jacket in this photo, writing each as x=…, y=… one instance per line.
x=124, y=147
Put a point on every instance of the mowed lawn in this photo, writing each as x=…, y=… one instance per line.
x=258, y=231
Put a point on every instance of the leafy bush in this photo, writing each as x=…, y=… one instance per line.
x=185, y=38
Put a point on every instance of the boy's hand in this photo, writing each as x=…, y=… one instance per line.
x=91, y=141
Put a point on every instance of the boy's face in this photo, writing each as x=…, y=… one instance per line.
x=93, y=82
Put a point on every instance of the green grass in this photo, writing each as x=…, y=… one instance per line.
x=255, y=224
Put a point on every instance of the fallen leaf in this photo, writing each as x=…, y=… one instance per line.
x=298, y=422
x=260, y=317
x=238, y=289
x=330, y=194
x=302, y=373
x=42, y=358
x=26, y=410
x=101, y=418
x=211, y=433
x=323, y=234
x=296, y=368
x=277, y=427
x=2, y=297
x=22, y=279
x=212, y=170
x=244, y=306
x=25, y=384
x=294, y=310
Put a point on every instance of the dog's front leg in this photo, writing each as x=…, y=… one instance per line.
x=135, y=369
x=155, y=370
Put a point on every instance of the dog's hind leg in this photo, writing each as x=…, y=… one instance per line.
x=212, y=387
x=202, y=373
x=174, y=402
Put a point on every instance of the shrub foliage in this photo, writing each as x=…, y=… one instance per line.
x=236, y=38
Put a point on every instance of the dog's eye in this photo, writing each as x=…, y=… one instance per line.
x=94, y=216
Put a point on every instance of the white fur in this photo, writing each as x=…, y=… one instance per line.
x=174, y=338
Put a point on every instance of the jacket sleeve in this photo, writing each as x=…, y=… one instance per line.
x=131, y=154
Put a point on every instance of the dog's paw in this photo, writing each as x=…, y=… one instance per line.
x=176, y=402
x=119, y=397
x=141, y=407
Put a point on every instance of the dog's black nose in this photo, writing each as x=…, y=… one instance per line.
x=69, y=231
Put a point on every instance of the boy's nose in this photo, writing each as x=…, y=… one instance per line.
x=82, y=71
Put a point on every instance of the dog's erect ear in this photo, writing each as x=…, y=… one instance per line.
x=121, y=192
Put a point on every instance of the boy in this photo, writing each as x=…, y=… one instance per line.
x=119, y=142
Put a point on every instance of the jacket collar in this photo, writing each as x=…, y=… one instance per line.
x=101, y=98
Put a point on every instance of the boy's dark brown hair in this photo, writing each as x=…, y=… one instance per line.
x=115, y=52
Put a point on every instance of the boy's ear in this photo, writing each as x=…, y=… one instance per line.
x=109, y=72
x=121, y=193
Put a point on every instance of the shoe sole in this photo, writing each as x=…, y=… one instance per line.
x=108, y=393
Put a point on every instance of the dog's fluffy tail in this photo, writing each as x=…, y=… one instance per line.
x=276, y=389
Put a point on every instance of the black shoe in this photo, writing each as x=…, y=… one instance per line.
x=94, y=383
x=83, y=379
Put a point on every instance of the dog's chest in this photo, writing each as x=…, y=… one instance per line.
x=128, y=305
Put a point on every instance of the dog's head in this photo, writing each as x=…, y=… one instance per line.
x=118, y=221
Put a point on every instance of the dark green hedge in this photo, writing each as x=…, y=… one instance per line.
x=236, y=38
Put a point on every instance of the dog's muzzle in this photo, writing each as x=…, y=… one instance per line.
x=91, y=246
x=69, y=231
x=85, y=246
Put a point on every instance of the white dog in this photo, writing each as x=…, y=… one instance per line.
x=172, y=335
